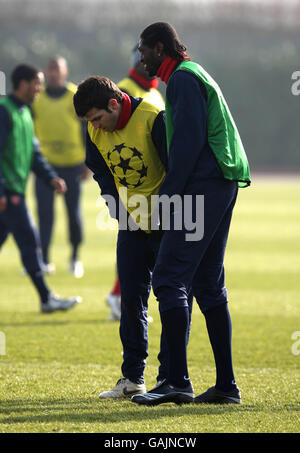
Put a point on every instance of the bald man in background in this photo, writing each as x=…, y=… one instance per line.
x=61, y=139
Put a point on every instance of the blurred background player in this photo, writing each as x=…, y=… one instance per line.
x=19, y=154
x=137, y=84
x=61, y=137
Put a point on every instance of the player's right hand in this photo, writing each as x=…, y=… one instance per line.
x=3, y=203
x=59, y=185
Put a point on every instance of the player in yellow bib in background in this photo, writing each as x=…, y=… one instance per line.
x=139, y=84
x=61, y=138
x=136, y=84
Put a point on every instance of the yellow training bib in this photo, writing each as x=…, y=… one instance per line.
x=133, y=161
x=58, y=128
x=134, y=89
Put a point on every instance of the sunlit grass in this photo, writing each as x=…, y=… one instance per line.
x=55, y=365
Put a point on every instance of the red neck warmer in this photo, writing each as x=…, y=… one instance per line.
x=125, y=112
x=142, y=81
x=167, y=67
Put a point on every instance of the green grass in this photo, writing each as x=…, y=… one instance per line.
x=55, y=365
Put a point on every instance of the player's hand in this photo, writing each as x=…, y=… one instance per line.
x=59, y=185
x=3, y=203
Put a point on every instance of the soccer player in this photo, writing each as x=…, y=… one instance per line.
x=61, y=137
x=19, y=154
x=125, y=149
x=206, y=157
x=138, y=84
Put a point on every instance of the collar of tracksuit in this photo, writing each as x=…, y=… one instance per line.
x=125, y=111
x=146, y=84
x=167, y=67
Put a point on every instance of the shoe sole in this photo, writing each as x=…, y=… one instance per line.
x=57, y=309
x=219, y=400
x=122, y=396
x=44, y=310
x=177, y=398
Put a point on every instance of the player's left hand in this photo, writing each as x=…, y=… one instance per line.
x=59, y=185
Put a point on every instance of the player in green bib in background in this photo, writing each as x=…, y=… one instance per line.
x=19, y=155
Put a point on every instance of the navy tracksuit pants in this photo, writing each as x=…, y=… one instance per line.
x=178, y=270
x=45, y=207
x=16, y=219
x=183, y=266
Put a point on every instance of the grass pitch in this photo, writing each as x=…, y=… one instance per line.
x=52, y=367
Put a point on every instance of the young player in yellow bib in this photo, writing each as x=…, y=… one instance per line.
x=138, y=84
x=61, y=137
x=125, y=149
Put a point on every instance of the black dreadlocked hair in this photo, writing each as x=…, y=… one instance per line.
x=167, y=35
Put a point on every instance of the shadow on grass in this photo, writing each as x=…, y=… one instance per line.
x=54, y=322
x=92, y=411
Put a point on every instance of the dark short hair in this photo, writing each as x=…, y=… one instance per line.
x=167, y=35
x=23, y=72
x=95, y=92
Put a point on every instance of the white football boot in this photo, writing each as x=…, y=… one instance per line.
x=76, y=268
x=114, y=302
x=56, y=303
x=124, y=388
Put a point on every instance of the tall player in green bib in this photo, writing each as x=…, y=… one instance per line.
x=206, y=158
x=126, y=151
